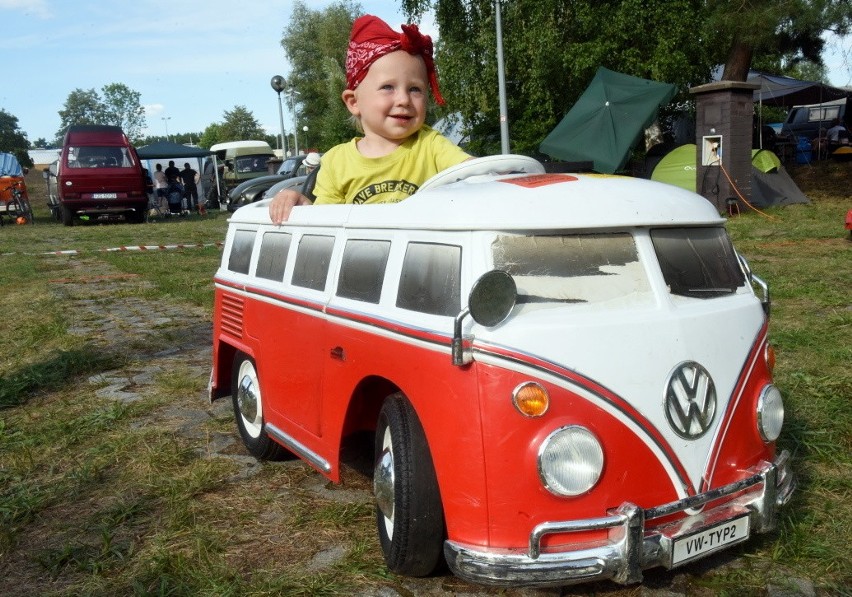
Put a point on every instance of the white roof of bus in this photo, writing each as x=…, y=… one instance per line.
x=233, y=144
x=515, y=202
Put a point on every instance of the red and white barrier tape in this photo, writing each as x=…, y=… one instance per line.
x=127, y=248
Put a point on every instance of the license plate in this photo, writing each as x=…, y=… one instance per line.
x=104, y=196
x=710, y=540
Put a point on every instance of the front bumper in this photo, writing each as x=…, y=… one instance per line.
x=631, y=546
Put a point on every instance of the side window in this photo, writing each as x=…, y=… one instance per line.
x=431, y=279
x=363, y=270
x=312, y=261
x=240, y=257
x=273, y=255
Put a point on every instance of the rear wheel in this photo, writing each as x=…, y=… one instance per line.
x=67, y=216
x=248, y=410
x=409, y=515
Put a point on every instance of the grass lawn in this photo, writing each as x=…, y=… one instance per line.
x=97, y=497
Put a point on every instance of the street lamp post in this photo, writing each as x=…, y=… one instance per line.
x=305, y=128
x=279, y=85
x=292, y=92
x=165, y=120
x=501, y=83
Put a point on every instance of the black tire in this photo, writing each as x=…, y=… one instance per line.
x=67, y=216
x=409, y=515
x=138, y=216
x=248, y=410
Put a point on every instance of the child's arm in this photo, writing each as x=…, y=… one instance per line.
x=283, y=203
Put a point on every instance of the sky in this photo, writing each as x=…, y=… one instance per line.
x=191, y=60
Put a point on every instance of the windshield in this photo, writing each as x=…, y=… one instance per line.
x=91, y=156
x=252, y=163
x=573, y=269
x=698, y=262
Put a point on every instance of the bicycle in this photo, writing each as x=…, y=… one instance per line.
x=17, y=207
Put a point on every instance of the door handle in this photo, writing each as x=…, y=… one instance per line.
x=337, y=353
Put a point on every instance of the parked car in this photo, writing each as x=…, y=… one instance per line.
x=290, y=166
x=243, y=160
x=99, y=175
x=567, y=377
x=806, y=120
x=252, y=190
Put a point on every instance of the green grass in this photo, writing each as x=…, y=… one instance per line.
x=104, y=498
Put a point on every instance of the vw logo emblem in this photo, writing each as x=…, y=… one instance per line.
x=690, y=400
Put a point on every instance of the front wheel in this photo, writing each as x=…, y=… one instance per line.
x=409, y=515
x=67, y=216
x=248, y=410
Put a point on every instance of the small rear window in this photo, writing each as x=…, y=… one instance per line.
x=698, y=262
x=312, y=261
x=273, y=255
x=241, y=248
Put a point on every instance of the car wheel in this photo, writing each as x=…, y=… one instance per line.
x=248, y=410
x=67, y=216
x=409, y=515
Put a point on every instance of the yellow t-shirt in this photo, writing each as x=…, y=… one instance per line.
x=348, y=177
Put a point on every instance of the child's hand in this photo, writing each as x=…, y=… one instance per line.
x=283, y=202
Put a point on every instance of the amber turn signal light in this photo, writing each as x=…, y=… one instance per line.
x=531, y=399
x=769, y=355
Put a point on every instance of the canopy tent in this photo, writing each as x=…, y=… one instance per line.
x=607, y=120
x=167, y=149
x=771, y=185
x=777, y=90
x=9, y=165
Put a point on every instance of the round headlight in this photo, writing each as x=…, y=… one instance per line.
x=570, y=461
x=770, y=413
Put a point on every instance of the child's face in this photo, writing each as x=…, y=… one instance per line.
x=391, y=100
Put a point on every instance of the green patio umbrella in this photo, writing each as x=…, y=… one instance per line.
x=607, y=120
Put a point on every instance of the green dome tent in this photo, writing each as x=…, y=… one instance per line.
x=771, y=185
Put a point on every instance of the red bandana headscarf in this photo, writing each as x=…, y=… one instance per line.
x=372, y=38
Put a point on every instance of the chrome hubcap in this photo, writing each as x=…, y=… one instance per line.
x=383, y=483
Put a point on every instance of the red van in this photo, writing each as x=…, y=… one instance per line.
x=100, y=175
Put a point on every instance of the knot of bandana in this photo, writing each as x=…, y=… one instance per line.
x=372, y=38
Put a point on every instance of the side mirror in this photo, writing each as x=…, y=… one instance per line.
x=491, y=299
x=754, y=280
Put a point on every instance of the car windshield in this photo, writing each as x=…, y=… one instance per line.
x=573, y=269
x=90, y=156
x=698, y=262
x=252, y=163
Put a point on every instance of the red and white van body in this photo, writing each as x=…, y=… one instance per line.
x=670, y=387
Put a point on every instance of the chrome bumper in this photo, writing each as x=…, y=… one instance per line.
x=630, y=548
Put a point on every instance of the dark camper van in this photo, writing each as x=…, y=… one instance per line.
x=99, y=175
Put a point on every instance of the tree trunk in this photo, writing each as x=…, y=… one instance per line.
x=739, y=62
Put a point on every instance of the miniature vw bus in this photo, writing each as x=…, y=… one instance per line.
x=568, y=376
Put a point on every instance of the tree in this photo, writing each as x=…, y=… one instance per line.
x=211, y=135
x=552, y=49
x=790, y=31
x=122, y=107
x=12, y=139
x=81, y=107
x=315, y=43
x=119, y=106
x=239, y=124
x=40, y=143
